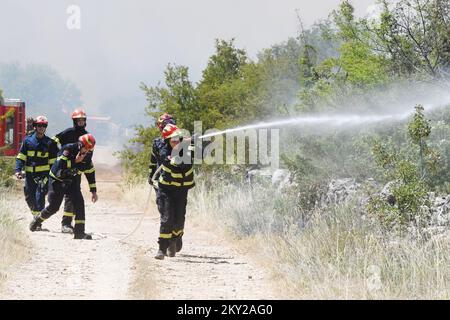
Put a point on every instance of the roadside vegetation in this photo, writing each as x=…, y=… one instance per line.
x=372, y=245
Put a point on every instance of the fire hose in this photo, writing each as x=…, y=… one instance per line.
x=147, y=204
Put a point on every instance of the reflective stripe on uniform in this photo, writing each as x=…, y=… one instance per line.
x=172, y=183
x=21, y=156
x=51, y=160
x=89, y=170
x=69, y=163
x=165, y=235
x=54, y=177
x=92, y=185
x=69, y=214
x=177, y=233
x=37, y=168
x=174, y=175
x=177, y=175
x=42, y=154
x=176, y=184
x=31, y=153
x=35, y=213
x=80, y=221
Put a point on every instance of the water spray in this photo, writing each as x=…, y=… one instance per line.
x=329, y=120
x=338, y=120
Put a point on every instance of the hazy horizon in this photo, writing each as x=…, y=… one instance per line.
x=123, y=43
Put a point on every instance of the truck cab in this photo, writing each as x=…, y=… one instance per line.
x=12, y=126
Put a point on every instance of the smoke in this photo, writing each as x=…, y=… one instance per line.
x=123, y=43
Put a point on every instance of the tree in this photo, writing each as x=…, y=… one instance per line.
x=178, y=97
x=225, y=65
x=419, y=129
x=43, y=90
x=414, y=35
x=411, y=172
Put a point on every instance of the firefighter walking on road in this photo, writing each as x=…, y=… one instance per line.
x=64, y=182
x=35, y=157
x=71, y=135
x=176, y=178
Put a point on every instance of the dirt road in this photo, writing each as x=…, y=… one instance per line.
x=106, y=268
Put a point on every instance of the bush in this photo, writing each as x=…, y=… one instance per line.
x=412, y=166
x=6, y=171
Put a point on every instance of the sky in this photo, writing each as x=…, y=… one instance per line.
x=123, y=43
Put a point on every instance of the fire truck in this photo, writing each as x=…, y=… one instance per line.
x=13, y=126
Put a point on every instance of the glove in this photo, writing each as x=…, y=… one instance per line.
x=19, y=175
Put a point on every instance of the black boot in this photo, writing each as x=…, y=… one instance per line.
x=67, y=229
x=160, y=255
x=82, y=236
x=163, y=244
x=36, y=223
x=179, y=243
x=172, y=248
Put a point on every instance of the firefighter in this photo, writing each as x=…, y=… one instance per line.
x=155, y=162
x=176, y=178
x=71, y=135
x=158, y=143
x=64, y=182
x=30, y=126
x=36, y=155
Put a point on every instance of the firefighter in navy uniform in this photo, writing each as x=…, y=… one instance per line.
x=71, y=135
x=36, y=155
x=158, y=144
x=176, y=178
x=155, y=158
x=64, y=182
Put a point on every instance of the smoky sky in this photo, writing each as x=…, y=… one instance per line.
x=123, y=43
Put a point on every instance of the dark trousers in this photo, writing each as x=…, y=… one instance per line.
x=35, y=190
x=172, y=210
x=57, y=191
x=69, y=210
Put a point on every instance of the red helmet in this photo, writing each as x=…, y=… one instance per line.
x=78, y=114
x=164, y=120
x=40, y=120
x=170, y=131
x=87, y=140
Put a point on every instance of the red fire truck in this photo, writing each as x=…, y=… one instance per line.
x=12, y=126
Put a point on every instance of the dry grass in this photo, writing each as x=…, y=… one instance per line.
x=139, y=196
x=335, y=254
x=13, y=242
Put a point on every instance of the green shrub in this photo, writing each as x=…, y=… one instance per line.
x=6, y=171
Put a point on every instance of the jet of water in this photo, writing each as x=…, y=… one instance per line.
x=329, y=120
x=336, y=120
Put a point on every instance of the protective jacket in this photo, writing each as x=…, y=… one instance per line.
x=36, y=155
x=66, y=170
x=175, y=173
x=71, y=135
